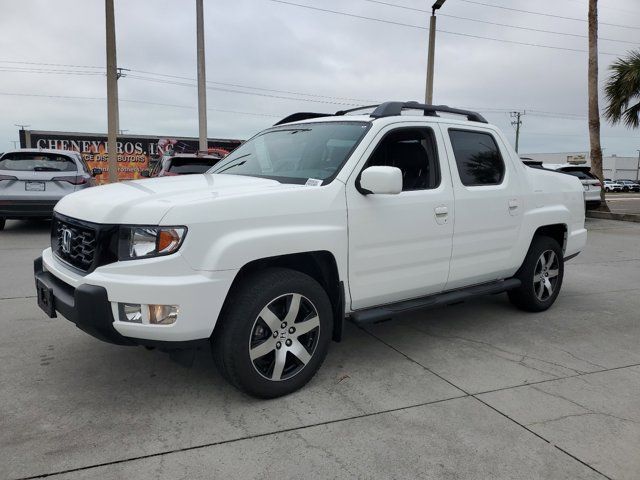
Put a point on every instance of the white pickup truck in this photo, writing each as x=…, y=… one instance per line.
x=319, y=219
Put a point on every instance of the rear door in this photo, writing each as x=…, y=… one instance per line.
x=400, y=245
x=488, y=205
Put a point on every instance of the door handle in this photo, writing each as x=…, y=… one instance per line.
x=441, y=211
x=513, y=204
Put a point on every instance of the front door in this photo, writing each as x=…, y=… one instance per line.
x=400, y=245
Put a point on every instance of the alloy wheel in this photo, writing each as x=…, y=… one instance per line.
x=545, y=275
x=284, y=337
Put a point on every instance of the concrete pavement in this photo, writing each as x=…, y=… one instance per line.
x=478, y=390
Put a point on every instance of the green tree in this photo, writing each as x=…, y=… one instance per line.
x=623, y=91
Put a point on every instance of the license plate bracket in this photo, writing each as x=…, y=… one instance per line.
x=46, y=300
x=31, y=186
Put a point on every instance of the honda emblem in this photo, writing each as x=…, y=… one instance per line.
x=66, y=240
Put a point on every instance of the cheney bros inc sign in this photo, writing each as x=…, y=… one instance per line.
x=134, y=151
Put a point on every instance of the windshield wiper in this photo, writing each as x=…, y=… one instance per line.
x=234, y=164
x=46, y=169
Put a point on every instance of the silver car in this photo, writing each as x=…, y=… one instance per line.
x=33, y=180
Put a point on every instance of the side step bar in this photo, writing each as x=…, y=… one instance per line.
x=386, y=312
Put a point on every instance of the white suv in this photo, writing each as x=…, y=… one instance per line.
x=318, y=219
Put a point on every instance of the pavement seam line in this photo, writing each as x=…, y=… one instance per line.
x=583, y=374
x=17, y=298
x=541, y=437
x=248, y=437
x=471, y=395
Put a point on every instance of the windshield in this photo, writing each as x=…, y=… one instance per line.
x=296, y=153
x=37, y=162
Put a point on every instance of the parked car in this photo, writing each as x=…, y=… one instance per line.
x=308, y=223
x=612, y=186
x=629, y=185
x=32, y=181
x=182, y=164
x=591, y=184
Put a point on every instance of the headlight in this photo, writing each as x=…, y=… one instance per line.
x=146, y=242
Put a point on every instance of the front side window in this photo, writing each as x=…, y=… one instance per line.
x=296, y=153
x=37, y=162
x=413, y=151
x=477, y=157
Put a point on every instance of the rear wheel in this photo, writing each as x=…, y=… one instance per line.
x=3, y=222
x=541, y=275
x=274, y=333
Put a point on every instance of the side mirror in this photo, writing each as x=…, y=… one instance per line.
x=145, y=173
x=381, y=181
x=96, y=171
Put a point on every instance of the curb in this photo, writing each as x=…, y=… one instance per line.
x=624, y=217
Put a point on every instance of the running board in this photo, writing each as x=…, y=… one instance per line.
x=386, y=312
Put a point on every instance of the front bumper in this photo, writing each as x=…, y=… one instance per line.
x=91, y=301
x=87, y=306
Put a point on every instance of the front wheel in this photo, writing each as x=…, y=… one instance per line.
x=3, y=222
x=541, y=275
x=274, y=332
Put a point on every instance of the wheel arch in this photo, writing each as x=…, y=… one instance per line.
x=557, y=231
x=320, y=265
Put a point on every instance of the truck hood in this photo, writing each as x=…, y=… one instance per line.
x=147, y=201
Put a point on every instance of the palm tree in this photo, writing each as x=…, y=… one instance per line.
x=623, y=89
x=594, y=109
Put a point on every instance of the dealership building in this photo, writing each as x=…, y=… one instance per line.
x=613, y=166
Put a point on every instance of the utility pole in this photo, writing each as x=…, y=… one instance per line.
x=638, y=169
x=432, y=51
x=517, y=122
x=594, y=107
x=112, y=93
x=202, y=78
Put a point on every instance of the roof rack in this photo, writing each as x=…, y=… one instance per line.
x=297, y=117
x=389, y=109
x=392, y=109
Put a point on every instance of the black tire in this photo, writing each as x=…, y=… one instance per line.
x=3, y=222
x=527, y=296
x=241, y=327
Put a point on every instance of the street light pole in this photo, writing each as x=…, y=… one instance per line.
x=112, y=93
x=202, y=79
x=432, y=51
x=638, y=169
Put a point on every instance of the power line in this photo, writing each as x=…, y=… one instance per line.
x=49, y=64
x=486, y=22
x=289, y=92
x=474, y=2
x=48, y=71
x=539, y=45
x=228, y=90
x=74, y=97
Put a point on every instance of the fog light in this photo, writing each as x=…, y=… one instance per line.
x=163, y=314
x=130, y=312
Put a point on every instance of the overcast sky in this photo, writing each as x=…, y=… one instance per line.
x=266, y=59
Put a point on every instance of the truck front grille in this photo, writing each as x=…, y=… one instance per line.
x=83, y=245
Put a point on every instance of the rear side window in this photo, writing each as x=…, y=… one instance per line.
x=37, y=162
x=184, y=166
x=477, y=157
